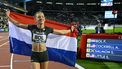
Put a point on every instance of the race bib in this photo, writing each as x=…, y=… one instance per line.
x=39, y=37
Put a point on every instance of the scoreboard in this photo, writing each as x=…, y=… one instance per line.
x=106, y=3
x=108, y=49
x=101, y=46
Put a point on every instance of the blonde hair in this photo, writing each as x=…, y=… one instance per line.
x=38, y=13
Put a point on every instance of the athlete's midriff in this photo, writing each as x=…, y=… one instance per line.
x=38, y=47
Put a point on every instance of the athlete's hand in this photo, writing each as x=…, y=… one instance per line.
x=72, y=28
x=7, y=13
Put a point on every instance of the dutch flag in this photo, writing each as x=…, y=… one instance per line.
x=61, y=48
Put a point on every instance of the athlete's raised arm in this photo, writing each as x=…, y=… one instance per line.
x=55, y=31
x=25, y=26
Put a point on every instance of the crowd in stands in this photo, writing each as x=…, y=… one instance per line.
x=3, y=21
x=66, y=15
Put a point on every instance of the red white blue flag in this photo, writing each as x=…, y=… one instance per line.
x=61, y=48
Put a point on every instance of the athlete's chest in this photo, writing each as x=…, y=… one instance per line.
x=39, y=35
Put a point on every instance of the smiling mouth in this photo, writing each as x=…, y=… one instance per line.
x=40, y=21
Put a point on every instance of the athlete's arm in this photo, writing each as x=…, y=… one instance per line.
x=16, y=22
x=55, y=31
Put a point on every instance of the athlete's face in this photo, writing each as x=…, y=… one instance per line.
x=40, y=18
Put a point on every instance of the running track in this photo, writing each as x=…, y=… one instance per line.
x=19, y=62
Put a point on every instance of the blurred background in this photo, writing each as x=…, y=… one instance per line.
x=86, y=13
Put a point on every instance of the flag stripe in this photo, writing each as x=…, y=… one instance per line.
x=64, y=56
x=20, y=47
x=18, y=33
x=65, y=42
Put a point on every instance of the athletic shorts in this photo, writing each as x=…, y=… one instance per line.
x=39, y=56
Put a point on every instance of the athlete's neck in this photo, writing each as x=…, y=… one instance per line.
x=40, y=26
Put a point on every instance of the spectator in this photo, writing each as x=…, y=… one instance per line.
x=77, y=26
x=99, y=28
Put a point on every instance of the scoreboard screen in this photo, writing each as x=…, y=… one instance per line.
x=109, y=14
x=106, y=2
x=107, y=49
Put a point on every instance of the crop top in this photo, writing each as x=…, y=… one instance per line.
x=39, y=35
